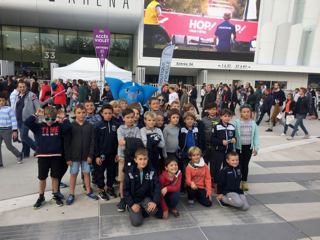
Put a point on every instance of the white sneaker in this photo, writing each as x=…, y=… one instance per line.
x=290, y=138
x=283, y=134
x=306, y=136
x=297, y=133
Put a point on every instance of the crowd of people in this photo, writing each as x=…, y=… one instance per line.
x=155, y=152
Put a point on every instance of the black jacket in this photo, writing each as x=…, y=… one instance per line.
x=226, y=96
x=233, y=97
x=292, y=107
x=183, y=133
x=194, y=93
x=95, y=95
x=79, y=142
x=229, y=179
x=106, y=138
x=131, y=146
x=252, y=99
x=305, y=106
x=220, y=133
x=107, y=95
x=134, y=191
x=211, y=97
x=267, y=103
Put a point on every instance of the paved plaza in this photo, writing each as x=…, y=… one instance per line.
x=284, y=198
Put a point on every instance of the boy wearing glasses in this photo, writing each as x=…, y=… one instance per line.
x=79, y=150
x=49, y=149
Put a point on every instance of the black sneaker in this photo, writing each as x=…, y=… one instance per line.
x=122, y=205
x=222, y=204
x=111, y=192
x=103, y=195
x=175, y=212
x=269, y=130
x=268, y=120
x=182, y=191
x=145, y=215
x=57, y=200
x=85, y=189
x=39, y=203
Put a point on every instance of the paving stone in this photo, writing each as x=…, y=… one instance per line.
x=270, y=231
x=309, y=227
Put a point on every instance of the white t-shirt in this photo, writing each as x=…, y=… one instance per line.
x=173, y=97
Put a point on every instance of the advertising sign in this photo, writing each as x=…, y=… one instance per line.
x=207, y=26
x=165, y=64
x=101, y=40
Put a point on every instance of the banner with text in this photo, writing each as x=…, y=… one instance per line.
x=101, y=40
x=165, y=64
x=227, y=26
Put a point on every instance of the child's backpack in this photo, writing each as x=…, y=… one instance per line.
x=131, y=146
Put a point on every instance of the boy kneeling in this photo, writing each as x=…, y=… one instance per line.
x=229, y=178
x=141, y=189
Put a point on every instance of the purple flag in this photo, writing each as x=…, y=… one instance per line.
x=101, y=40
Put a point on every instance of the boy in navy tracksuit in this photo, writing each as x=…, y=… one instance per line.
x=229, y=178
x=106, y=149
x=49, y=149
x=189, y=136
x=223, y=138
x=141, y=189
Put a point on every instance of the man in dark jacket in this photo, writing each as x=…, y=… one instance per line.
x=141, y=189
x=233, y=99
x=226, y=97
x=278, y=98
x=95, y=96
x=193, y=97
x=258, y=94
x=266, y=106
x=302, y=108
x=312, y=102
x=210, y=97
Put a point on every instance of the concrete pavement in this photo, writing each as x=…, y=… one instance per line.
x=284, y=198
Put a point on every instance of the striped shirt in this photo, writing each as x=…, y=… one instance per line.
x=7, y=118
x=13, y=97
x=246, y=132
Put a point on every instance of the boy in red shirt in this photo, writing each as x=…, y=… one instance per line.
x=197, y=179
x=170, y=181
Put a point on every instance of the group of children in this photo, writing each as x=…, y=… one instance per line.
x=173, y=144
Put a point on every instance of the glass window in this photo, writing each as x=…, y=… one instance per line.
x=30, y=44
x=11, y=44
x=282, y=85
x=49, y=47
x=68, y=47
x=121, y=51
x=86, y=47
x=266, y=83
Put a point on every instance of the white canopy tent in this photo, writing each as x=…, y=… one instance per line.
x=89, y=69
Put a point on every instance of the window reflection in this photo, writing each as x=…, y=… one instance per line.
x=30, y=44
x=68, y=47
x=11, y=45
x=49, y=47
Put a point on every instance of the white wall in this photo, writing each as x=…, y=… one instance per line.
x=294, y=79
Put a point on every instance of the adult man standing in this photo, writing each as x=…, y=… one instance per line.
x=296, y=95
x=209, y=97
x=258, y=94
x=54, y=85
x=278, y=98
x=151, y=22
x=312, y=103
x=25, y=104
x=95, y=95
x=60, y=98
x=223, y=32
x=13, y=96
x=193, y=96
